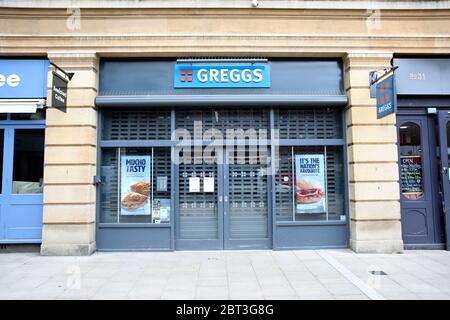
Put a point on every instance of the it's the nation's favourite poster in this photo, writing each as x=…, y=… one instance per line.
x=310, y=191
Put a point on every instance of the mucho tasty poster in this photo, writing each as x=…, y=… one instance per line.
x=135, y=185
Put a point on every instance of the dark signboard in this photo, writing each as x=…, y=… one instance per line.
x=411, y=176
x=302, y=77
x=59, y=92
x=423, y=76
x=386, y=102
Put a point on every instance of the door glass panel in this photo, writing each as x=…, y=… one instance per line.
x=198, y=198
x=28, y=168
x=248, y=195
x=2, y=137
x=411, y=161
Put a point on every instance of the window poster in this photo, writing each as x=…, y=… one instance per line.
x=411, y=176
x=135, y=185
x=310, y=192
x=161, y=211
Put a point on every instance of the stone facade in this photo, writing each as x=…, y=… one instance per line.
x=373, y=171
x=70, y=162
x=363, y=39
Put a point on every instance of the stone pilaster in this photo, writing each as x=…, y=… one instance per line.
x=373, y=164
x=70, y=161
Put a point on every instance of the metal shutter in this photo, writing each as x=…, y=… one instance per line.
x=309, y=123
x=248, y=200
x=197, y=210
x=136, y=125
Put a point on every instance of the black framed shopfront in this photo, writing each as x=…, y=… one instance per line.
x=423, y=95
x=229, y=202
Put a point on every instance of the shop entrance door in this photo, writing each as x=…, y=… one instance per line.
x=418, y=184
x=21, y=179
x=444, y=139
x=246, y=199
x=222, y=203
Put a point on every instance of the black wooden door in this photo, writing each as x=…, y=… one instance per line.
x=417, y=186
x=444, y=139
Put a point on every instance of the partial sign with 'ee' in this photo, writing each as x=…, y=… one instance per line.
x=386, y=99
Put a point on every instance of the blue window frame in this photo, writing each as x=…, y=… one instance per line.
x=21, y=195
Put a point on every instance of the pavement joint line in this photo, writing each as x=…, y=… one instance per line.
x=350, y=276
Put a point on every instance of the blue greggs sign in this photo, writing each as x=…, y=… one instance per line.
x=23, y=78
x=386, y=99
x=242, y=75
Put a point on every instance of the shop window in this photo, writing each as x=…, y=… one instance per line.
x=309, y=123
x=28, y=168
x=136, y=125
x=136, y=185
x=411, y=161
x=38, y=115
x=309, y=185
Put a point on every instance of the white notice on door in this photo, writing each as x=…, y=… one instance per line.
x=194, y=184
x=208, y=184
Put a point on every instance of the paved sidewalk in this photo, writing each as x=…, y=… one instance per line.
x=319, y=274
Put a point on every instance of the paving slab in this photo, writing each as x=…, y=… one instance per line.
x=241, y=275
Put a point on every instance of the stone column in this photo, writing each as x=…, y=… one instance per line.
x=70, y=161
x=372, y=162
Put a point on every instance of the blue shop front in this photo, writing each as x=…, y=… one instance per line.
x=23, y=91
x=221, y=154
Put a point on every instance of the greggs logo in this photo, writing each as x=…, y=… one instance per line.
x=222, y=76
x=385, y=96
x=186, y=75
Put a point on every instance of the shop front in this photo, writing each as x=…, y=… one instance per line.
x=423, y=121
x=221, y=154
x=23, y=90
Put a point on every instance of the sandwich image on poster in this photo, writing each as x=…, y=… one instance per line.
x=310, y=192
x=135, y=185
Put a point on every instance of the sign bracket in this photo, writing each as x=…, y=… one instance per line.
x=69, y=75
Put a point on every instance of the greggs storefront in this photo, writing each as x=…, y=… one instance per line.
x=221, y=154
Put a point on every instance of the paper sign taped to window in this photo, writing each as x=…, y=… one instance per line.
x=208, y=184
x=194, y=184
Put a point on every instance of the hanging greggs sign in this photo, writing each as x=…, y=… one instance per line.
x=386, y=97
x=242, y=75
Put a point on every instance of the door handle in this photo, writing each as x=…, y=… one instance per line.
x=225, y=199
x=444, y=170
x=220, y=198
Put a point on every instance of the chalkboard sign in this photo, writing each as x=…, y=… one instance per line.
x=411, y=176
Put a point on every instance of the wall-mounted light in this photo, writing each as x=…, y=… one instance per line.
x=255, y=3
